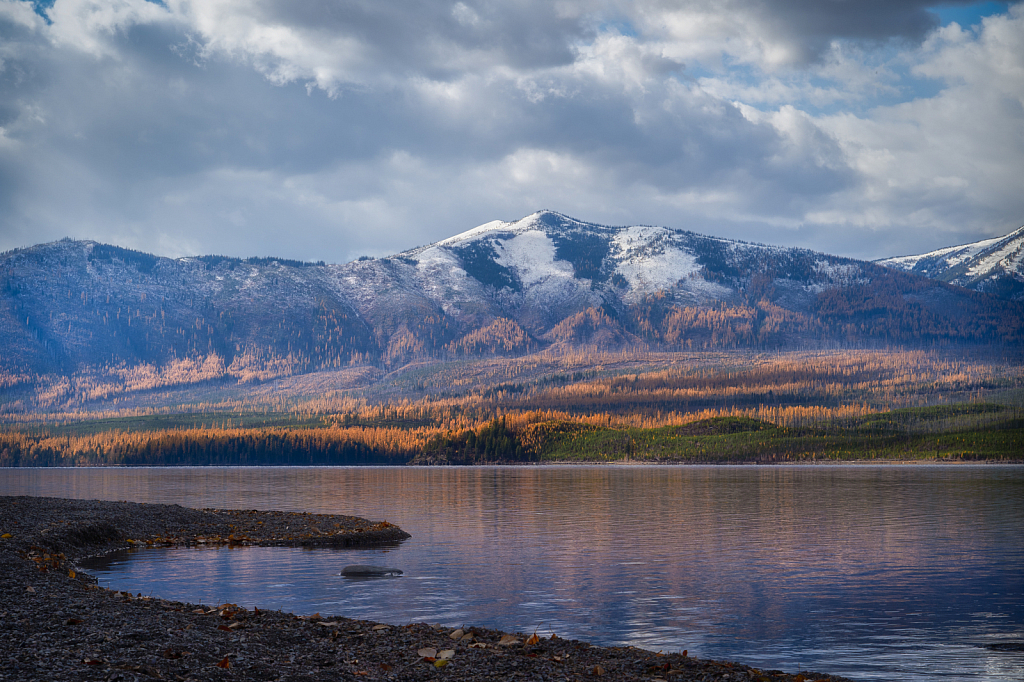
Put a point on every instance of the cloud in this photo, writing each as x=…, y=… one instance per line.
x=366, y=44
x=314, y=129
x=949, y=163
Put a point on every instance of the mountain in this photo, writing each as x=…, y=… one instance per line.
x=992, y=265
x=83, y=309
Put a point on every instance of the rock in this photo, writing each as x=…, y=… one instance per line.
x=366, y=571
x=1006, y=646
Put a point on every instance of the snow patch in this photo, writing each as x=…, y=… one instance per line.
x=650, y=260
x=951, y=255
x=433, y=257
x=532, y=255
x=840, y=273
x=703, y=290
x=527, y=224
x=442, y=279
x=993, y=260
x=475, y=233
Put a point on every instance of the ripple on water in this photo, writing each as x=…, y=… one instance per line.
x=907, y=573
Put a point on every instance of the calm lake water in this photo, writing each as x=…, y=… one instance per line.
x=887, y=572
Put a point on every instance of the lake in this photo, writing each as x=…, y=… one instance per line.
x=872, y=572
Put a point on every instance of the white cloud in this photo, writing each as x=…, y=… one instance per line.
x=354, y=126
x=952, y=161
x=21, y=13
x=90, y=25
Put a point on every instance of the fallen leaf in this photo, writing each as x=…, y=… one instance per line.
x=508, y=640
x=554, y=636
x=73, y=621
x=468, y=637
x=441, y=663
x=6, y=536
x=92, y=661
x=225, y=628
x=428, y=652
x=457, y=634
x=71, y=574
x=236, y=626
x=30, y=589
x=534, y=639
x=597, y=670
x=478, y=645
x=225, y=663
x=385, y=667
x=446, y=654
x=380, y=627
x=361, y=673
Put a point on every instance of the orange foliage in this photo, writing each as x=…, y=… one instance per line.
x=501, y=336
x=588, y=326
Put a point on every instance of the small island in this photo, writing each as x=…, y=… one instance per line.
x=58, y=624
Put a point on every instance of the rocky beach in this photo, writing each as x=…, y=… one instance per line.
x=57, y=624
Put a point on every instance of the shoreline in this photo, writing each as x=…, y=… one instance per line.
x=58, y=624
x=596, y=463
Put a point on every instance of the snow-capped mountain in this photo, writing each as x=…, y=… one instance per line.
x=991, y=265
x=553, y=261
x=503, y=287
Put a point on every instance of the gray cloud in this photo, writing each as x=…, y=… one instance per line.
x=331, y=129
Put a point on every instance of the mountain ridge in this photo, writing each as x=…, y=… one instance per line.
x=544, y=281
x=993, y=265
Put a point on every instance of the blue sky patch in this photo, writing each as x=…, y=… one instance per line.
x=969, y=15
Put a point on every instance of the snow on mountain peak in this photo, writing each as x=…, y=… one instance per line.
x=532, y=255
x=995, y=265
x=475, y=233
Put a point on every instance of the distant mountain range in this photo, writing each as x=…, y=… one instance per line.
x=993, y=265
x=546, y=280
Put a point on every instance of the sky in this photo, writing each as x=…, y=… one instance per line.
x=330, y=129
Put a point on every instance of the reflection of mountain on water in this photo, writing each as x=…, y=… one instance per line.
x=896, y=572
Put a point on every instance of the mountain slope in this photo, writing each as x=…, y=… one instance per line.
x=72, y=304
x=104, y=315
x=551, y=261
x=992, y=265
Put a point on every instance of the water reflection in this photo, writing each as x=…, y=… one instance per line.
x=876, y=572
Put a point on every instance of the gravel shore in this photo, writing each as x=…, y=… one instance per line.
x=56, y=624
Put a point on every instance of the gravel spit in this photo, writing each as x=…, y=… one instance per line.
x=57, y=624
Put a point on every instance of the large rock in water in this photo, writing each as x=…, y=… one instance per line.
x=366, y=571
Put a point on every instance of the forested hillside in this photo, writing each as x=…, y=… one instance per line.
x=82, y=323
